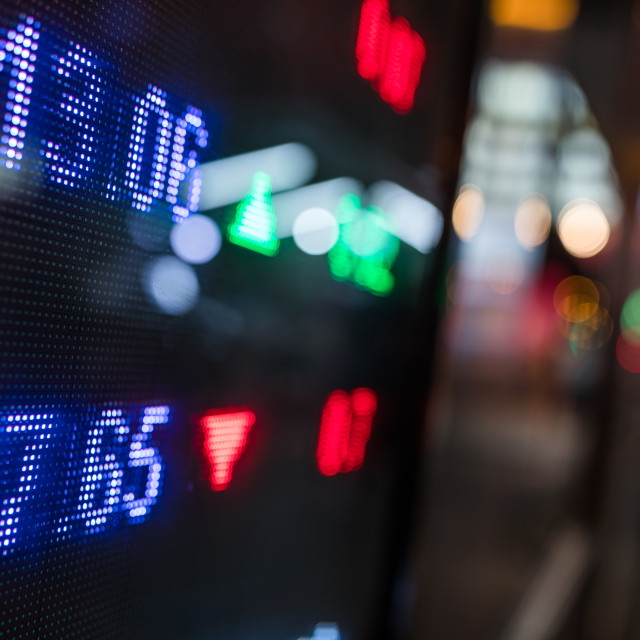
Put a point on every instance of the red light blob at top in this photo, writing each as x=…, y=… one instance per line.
x=372, y=37
x=406, y=55
x=390, y=54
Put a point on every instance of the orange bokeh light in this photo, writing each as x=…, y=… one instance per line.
x=538, y=15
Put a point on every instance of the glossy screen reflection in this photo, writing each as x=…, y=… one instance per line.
x=202, y=307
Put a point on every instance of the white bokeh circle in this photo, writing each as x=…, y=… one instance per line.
x=315, y=231
x=196, y=240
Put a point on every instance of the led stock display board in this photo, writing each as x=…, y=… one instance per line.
x=195, y=416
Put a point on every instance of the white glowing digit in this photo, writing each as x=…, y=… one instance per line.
x=152, y=125
x=25, y=439
x=102, y=472
x=17, y=63
x=185, y=175
x=70, y=158
x=145, y=467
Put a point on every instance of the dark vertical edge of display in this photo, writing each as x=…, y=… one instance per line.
x=390, y=617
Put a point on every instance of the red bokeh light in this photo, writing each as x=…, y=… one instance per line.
x=628, y=351
x=344, y=430
x=401, y=72
x=372, y=37
x=334, y=433
x=364, y=404
x=390, y=54
x=225, y=436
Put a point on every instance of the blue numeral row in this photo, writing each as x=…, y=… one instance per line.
x=114, y=474
x=154, y=161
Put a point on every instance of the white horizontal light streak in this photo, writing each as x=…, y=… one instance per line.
x=417, y=221
x=228, y=180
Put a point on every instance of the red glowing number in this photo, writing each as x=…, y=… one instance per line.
x=372, y=37
x=225, y=436
x=390, y=54
x=344, y=430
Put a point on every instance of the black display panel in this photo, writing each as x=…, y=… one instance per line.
x=201, y=414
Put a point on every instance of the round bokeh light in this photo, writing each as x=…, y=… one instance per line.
x=532, y=222
x=171, y=285
x=468, y=212
x=583, y=228
x=315, y=231
x=196, y=240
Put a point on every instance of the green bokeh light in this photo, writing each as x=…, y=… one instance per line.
x=254, y=225
x=630, y=316
x=366, y=248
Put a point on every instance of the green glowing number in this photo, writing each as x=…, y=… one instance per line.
x=366, y=249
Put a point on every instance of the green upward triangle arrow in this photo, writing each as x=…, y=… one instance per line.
x=254, y=225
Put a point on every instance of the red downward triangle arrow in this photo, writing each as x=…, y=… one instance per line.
x=225, y=437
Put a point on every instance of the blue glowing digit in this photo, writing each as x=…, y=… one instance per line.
x=144, y=479
x=152, y=125
x=69, y=159
x=101, y=485
x=185, y=178
x=17, y=64
x=24, y=439
x=172, y=173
